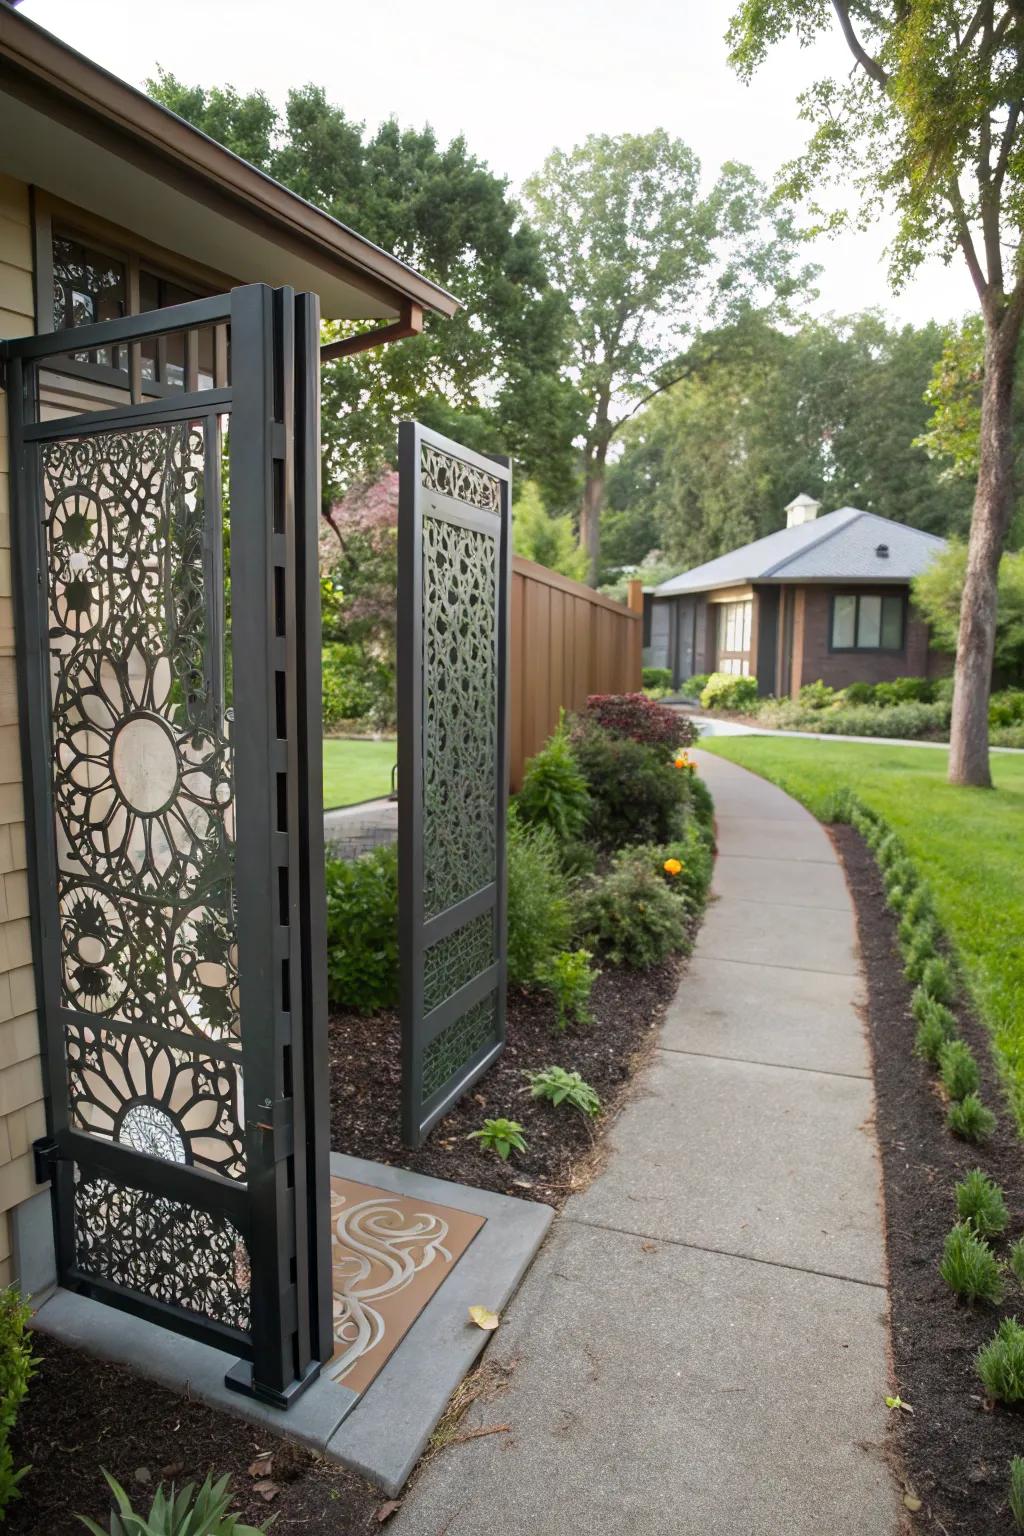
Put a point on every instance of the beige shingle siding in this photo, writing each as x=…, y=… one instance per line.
x=21, y=1087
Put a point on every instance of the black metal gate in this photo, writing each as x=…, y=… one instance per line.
x=165, y=526
x=454, y=575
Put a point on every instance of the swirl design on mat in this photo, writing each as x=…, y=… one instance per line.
x=378, y=1250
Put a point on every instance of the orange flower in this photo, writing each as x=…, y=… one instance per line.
x=682, y=761
x=672, y=867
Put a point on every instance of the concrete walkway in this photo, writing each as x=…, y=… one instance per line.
x=710, y=726
x=701, y=1346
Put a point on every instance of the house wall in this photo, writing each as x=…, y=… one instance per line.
x=839, y=668
x=22, y=1117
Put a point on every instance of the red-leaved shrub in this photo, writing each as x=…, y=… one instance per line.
x=636, y=716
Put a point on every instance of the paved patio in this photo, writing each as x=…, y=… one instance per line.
x=701, y=1346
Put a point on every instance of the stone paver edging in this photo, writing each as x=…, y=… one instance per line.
x=701, y=1346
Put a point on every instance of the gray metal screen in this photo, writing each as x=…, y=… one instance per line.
x=453, y=616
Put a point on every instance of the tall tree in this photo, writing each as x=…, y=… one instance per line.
x=492, y=374
x=645, y=258
x=931, y=122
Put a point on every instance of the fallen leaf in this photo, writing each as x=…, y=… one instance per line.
x=172, y=1469
x=648, y=1247
x=385, y=1511
x=262, y=1466
x=266, y=1489
x=483, y=1317
x=897, y=1402
x=911, y=1500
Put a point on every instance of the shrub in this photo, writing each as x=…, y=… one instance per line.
x=554, y=791
x=703, y=806
x=919, y=904
x=695, y=685
x=901, y=873
x=1007, y=736
x=1016, y=1494
x=1000, y=1363
x=958, y=1069
x=638, y=718
x=656, y=677
x=969, y=1266
x=1016, y=1260
x=693, y=853
x=362, y=930
x=501, y=1136
x=561, y=1087
x=970, y=1119
x=570, y=979
x=859, y=693
x=936, y=1026
x=937, y=979
x=904, y=690
x=636, y=795
x=539, y=921
x=981, y=1203
x=356, y=686
x=896, y=897
x=1006, y=708
x=17, y=1368
x=724, y=691
x=817, y=695
x=186, y=1513
x=631, y=915
x=889, y=850
x=918, y=950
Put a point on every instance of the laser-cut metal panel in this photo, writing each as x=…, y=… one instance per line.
x=166, y=742
x=453, y=608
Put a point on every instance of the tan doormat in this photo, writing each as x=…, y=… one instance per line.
x=390, y=1254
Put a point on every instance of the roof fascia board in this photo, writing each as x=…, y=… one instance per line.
x=104, y=108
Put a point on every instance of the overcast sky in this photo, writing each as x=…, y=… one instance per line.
x=517, y=77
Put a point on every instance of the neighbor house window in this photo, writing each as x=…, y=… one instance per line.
x=867, y=621
x=88, y=286
x=735, y=621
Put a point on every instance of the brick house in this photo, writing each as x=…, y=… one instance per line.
x=825, y=597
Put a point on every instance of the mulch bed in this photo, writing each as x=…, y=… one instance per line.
x=82, y=1414
x=562, y=1145
x=956, y=1449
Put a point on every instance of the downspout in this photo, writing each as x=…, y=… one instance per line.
x=409, y=323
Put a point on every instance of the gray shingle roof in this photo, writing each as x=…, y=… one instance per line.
x=841, y=546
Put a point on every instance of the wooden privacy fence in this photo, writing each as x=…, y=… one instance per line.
x=567, y=642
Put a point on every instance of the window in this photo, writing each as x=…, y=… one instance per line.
x=88, y=286
x=867, y=621
x=734, y=629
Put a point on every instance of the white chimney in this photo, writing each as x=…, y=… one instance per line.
x=802, y=509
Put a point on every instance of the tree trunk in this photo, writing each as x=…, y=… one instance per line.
x=990, y=521
x=590, y=511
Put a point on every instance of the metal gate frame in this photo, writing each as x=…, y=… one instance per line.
x=450, y=485
x=282, y=1211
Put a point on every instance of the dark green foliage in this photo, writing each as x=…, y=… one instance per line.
x=695, y=685
x=703, y=806
x=1016, y=1493
x=1006, y=708
x=631, y=916
x=561, y=1087
x=971, y=1120
x=554, y=791
x=636, y=795
x=859, y=693
x=1000, y=1363
x=185, y=1513
x=904, y=690
x=1016, y=1260
x=958, y=1069
x=539, y=922
x=570, y=979
x=362, y=931
x=356, y=686
x=918, y=950
x=937, y=979
x=969, y=1266
x=936, y=1026
x=981, y=1203
x=17, y=1368
x=656, y=677
x=693, y=853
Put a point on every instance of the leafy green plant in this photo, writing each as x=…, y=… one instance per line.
x=958, y=1069
x=17, y=1367
x=631, y=915
x=896, y=898
x=185, y=1513
x=539, y=920
x=685, y=865
x=1016, y=1494
x=919, y=950
x=970, y=1119
x=936, y=1026
x=969, y=1267
x=703, y=806
x=981, y=1203
x=904, y=690
x=859, y=693
x=554, y=791
x=656, y=677
x=362, y=930
x=570, y=979
x=1016, y=1260
x=817, y=695
x=724, y=691
x=561, y=1087
x=695, y=685
x=889, y=851
x=903, y=873
x=937, y=979
x=1000, y=1363
x=919, y=903
x=636, y=795
x=501, y=1136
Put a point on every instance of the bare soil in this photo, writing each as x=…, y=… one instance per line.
x=956, y=1448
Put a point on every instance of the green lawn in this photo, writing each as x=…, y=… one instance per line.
x=357, y=770
x=968, y=843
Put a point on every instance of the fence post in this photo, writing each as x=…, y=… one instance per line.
x=635, y=604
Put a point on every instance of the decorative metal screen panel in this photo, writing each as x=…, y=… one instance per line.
x=171, y=753
x=453, y=607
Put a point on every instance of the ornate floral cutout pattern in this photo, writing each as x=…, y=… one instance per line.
x=162, y=1250
x=451, y=962
x=449, y=1051
x=449, y=476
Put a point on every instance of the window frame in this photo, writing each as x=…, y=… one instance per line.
x=743, y=658
x=868, y=650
